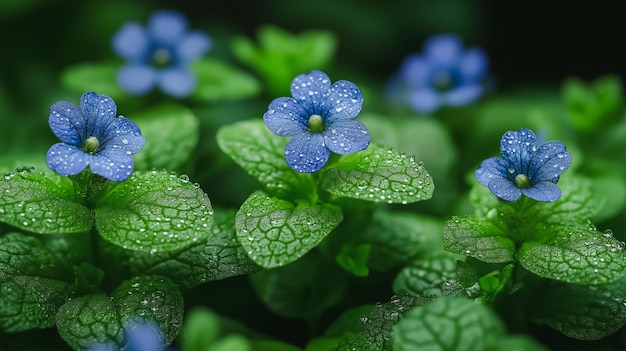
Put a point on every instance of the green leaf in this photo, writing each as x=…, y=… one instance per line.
x=200, y=329
x=448, y=323
x=276, y=232
x=32, y=284
x=354, y=259
x=42, y=203
x=153, y=298
x=427, y=275
x=215, y=257
x=349, y=321
x=582, y=312
x=589, y=104
x=353, y=341
x=575, y=254
x=477, y=238
x=219, y=80
x=303, y=289
x=397, y=237
x=171, y=133
x=89, y=319
x=232, y=343
x=99, y=77
x=518, y=343
x=379, y=174
x=260, y=153
x=280, y=55
x=153, y=211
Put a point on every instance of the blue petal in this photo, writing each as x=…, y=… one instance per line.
x=177, y=82
x=286, y=117
x=144, y=337
x=306, y=152
x=131, y=42
x=67, y=123
x=167, y=27
x=474, y=65
x=463, y=95
x=193, y=46
x=415, y=71
x=549, y=162
x=66, y=159
x=443, y=50
x=344, y=101
x=489, y=169
x=423, y=100
x=124, y=134
x=100, y=111
x=102, y=347
x=136, y=80
x=504, y=189
x=517, y=148
x=113, y=164
x=310, y=90
x=346, y=137
x=543, y=191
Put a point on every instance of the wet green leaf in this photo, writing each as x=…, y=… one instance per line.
x=154, y=212
x=477, y=238
x=276, y=232
x=379, y=174
x=42, y=203
x=427, y=275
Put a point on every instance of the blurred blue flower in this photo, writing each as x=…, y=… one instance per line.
x=93, y=135
x=159, y=55
x=140, y=336
x=319, y=118
x=525, y=168
x=443, y=74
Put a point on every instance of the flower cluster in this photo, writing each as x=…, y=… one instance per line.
x=443, y=74
x=319, y=118
x=525, y=168
x=93, y=135
x=159, y=55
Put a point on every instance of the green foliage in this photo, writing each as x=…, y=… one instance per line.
x=130, y=213
x=42, y=203
x=276, y=232
x=219, y=81
x=379, y=174
x=280, y=55
x=590, y=105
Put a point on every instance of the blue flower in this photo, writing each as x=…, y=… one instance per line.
x=159, y=55
x=444, y=74
x=319, y=118
x=93, y=135
x=140, y=336
x=525, y=168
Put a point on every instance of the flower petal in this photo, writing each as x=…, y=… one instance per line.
x=67, y=122
x=543, y=191
x=177, y=82
x=286, y=117
x=306, y=152
x=66, y=159
x=549, y=162
x=124, y=134
x=131, y=42
x=100, y=111
x=113, y=164
x=489, y=169
x=415, y=71
x=167, y=27
x=517, y=148
x=346, y=136
x=423, y=100
x=193, y=46
x=473, y=65
x=344, y=101
x=136, y=80
x=310, y=90
x=504, y=189
x=463, y=95
x=443, y=50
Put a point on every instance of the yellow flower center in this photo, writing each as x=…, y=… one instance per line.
x=316, y=124
x=522, y=181
x=91, y=145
